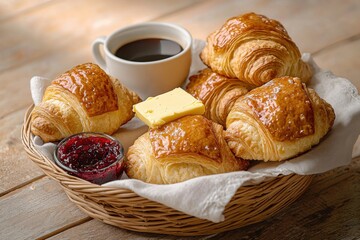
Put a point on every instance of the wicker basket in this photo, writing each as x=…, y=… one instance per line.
x=125, y=209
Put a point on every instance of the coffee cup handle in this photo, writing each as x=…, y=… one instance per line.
x=99, y=58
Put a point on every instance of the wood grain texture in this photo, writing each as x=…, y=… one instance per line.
x=47, y=37
x=328, y=210
x=97, y=230
x=10, y=9
x=15, y=168
x=311, y=24
x=35, y=210
x=68, y=23
x=38, y=55
x=330, y=204
x=342, y=59
x=32, y=46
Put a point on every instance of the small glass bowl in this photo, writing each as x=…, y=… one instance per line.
x=95, y=157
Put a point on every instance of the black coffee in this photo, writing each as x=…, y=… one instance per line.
x=148, y=50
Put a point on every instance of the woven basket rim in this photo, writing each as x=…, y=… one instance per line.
x=26, y=137
x=125, y=209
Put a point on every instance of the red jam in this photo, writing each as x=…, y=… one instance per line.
x=94, y=157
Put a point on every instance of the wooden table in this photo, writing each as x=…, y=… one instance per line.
x=47, y=37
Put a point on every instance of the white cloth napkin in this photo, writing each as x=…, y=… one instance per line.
x=206, y=197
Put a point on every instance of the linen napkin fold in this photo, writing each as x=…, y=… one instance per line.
x=206, y=197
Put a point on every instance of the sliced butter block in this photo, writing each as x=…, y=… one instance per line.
x=156, y=111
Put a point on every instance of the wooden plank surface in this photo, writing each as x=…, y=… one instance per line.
x=47, y=37
x=97, y=230
x=40, y=32
x=321, y=207
x=342, y=59
x=13, y=8
x=15, y=169
x=311, y=24
x=39, y=55
x=35, y=210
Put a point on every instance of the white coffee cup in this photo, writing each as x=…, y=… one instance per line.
x=146, y=78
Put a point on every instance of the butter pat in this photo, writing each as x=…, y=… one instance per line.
x=164, y=108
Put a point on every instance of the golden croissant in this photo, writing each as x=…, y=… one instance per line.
x=188, y=147
x=218, y=93
x=83, y=99
x=254, y=49
x=277, y=121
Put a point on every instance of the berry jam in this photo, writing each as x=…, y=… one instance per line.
x=94, y=157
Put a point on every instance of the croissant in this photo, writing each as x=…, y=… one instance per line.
x=254, y=49
x=188, y=147
x=277, y=121
x=218, y=93
x=83, y=99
